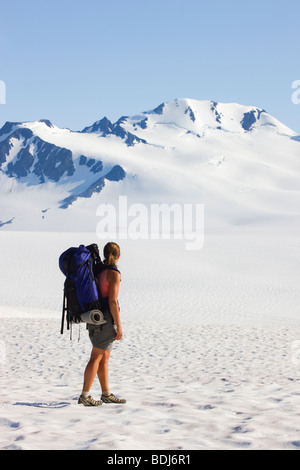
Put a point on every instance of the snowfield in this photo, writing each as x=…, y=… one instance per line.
x=210, y=357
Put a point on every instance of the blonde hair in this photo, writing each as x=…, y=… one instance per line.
x=111, y=252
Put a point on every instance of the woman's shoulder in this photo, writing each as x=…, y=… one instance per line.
x=113, y=274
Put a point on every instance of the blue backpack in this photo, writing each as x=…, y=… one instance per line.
x=81, y=292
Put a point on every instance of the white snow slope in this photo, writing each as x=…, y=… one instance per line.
x=196, y=152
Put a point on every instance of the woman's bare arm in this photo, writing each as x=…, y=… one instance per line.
x=113, y=279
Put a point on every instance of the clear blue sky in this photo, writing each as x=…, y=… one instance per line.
x=74, y=62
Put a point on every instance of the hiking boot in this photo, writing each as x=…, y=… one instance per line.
x=88, y=401
x=112, y=399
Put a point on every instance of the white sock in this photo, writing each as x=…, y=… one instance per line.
x=106, y=393
x=85, y=394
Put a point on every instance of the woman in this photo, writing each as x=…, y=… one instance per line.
x=102, y=337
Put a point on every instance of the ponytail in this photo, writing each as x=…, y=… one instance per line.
x=111, y=253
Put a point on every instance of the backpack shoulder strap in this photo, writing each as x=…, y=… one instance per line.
x=104, y=267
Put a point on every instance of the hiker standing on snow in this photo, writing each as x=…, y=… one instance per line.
x=102, y=336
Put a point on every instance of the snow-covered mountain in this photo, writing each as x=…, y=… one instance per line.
x=239, y=161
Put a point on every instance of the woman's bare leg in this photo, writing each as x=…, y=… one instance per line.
x=103, y=371
x=92, y=368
